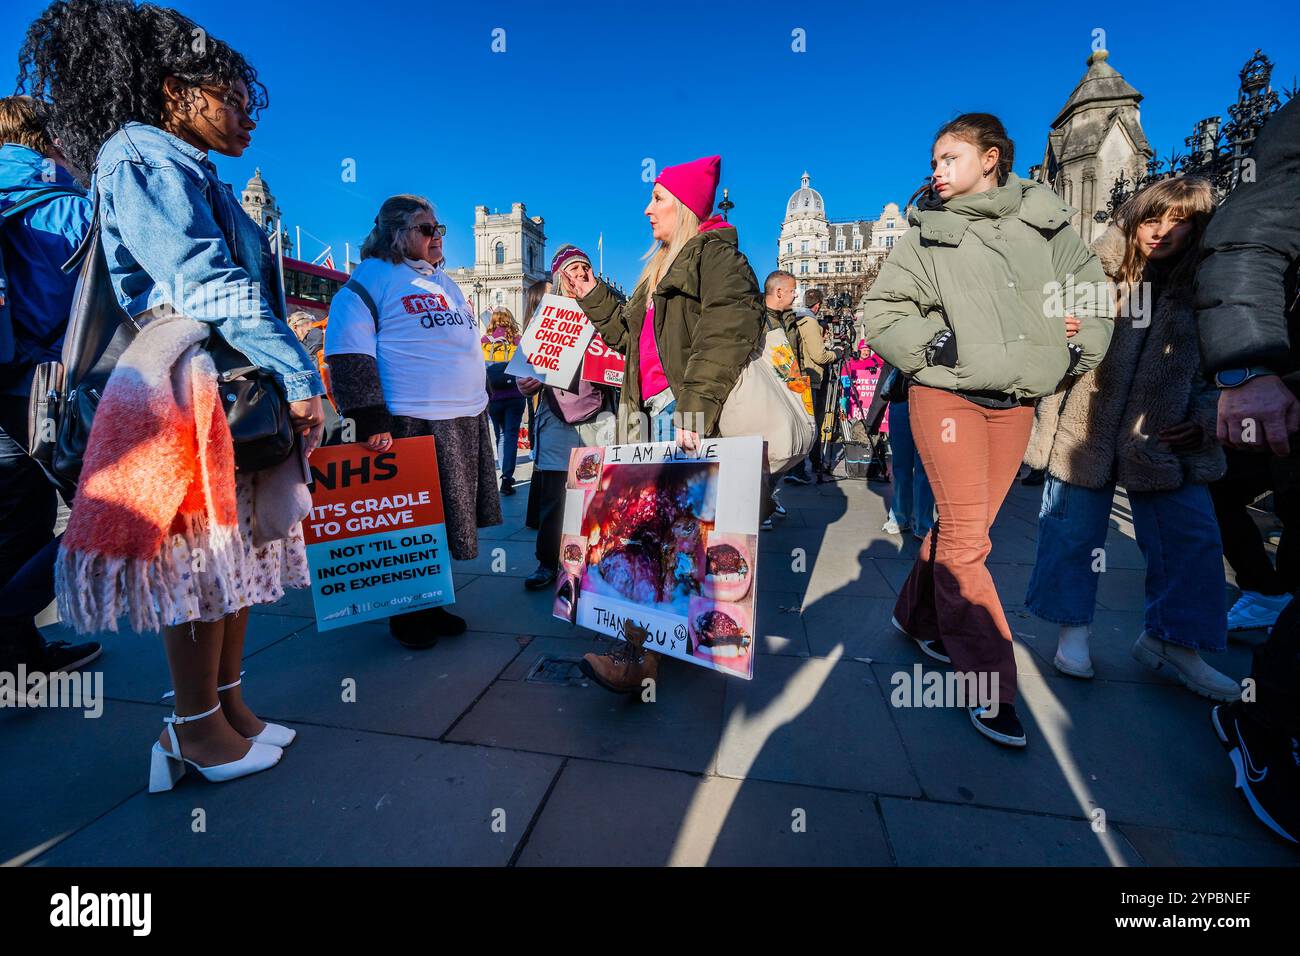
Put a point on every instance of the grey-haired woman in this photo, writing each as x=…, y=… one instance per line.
x=413, y=366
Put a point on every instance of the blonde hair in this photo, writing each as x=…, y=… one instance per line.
x=661, y=255
x=394, y=216
x=1187, y=197
x=501, y=318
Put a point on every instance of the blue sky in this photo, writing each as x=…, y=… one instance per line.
x=585, y=92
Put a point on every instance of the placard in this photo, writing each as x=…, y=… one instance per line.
x=552, y=347
x=376, y=541
x=602, y=364
x=668, y=540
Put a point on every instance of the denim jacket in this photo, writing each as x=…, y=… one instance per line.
x=173, y=233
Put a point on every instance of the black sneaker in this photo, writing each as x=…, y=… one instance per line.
x=930, y=648
x=1004, y=728
x=507, y=486
x=62, y=656
x=541, y=579
x=1267, y=765
x=780, y=511
x=797, y=478
x=421, y=629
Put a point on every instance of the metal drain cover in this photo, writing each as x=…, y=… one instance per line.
x=557, y=670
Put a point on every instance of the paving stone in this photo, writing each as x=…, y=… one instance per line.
x=398, y=690
x=503, y=558
x=776, y=728
x=679, y=731
x=499, y=604
x=339, y=797
x=634, y=816
x=63, y=770
x=1143, y=754
x=135, y=665
x=944, y=834
x=1161, y=846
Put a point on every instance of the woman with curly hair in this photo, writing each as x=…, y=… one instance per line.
x=163, y=529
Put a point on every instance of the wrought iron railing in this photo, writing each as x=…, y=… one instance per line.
x=1216, y=151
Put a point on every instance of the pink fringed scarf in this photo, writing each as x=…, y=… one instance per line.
x=156, y=497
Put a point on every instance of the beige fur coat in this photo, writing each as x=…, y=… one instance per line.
x=1103, y=425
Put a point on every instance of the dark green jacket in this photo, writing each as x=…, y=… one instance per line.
x=708, y=314
x=991, y=267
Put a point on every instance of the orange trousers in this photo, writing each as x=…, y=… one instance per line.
x=971, y=456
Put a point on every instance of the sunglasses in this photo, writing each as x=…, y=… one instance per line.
x=428, y=231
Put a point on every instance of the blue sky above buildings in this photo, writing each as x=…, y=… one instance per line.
x=586, y=92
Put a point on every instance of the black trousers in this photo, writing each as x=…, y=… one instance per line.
x=28, y=509
x=1249, y=475
x=819, y=414
x=1276, y=672
x=548, y=487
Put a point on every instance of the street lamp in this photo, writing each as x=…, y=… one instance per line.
x=726, y=205
x=478, y=287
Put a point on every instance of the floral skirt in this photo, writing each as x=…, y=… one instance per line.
x=260, y=575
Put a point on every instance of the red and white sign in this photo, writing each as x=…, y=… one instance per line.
x=602, y=364
x=553, y=345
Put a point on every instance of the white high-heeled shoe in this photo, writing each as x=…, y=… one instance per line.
x=165, y=768
x=276, y=735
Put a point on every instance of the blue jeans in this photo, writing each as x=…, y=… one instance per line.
x=661, y=425
x=506, y=416
x=913, y=502
x=1179, y=538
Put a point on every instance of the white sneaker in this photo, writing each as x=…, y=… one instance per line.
x=1187, y=665
x=1072, y=657
x=891, y=526
x=1254, y=610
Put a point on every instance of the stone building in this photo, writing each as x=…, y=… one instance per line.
x=509, y=256
x=1096, y=138
x=262, y=208
x=833, y=255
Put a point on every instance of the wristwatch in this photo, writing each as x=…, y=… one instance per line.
x=1235, y=377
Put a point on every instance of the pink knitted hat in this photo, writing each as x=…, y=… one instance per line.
x=694, y=183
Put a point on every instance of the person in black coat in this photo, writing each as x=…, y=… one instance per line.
x=1249, y=322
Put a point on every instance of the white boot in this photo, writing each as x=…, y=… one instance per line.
x=1072, y=658
x=1186, y=664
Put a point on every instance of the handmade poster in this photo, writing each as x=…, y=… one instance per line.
x=666, y=540
x=554, y=344
x=865, y=380
x=376, y=541
x=602, y=364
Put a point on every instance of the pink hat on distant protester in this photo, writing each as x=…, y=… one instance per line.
x=694, y=183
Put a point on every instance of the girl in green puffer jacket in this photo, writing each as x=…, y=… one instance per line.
x=971, y=307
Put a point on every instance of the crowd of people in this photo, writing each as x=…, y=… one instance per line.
x=1171, y=373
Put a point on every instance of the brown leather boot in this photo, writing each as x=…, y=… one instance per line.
x=624, y=667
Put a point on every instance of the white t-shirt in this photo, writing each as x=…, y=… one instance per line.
x=427, y=348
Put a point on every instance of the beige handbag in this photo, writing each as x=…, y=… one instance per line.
x=761, y=403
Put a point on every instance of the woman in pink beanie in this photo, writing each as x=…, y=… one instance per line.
x=690, y=325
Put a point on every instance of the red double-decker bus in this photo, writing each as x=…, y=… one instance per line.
x=309, y=287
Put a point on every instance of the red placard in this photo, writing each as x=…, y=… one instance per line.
x=357, y=492
x=602, y=364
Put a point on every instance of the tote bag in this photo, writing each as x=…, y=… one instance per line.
x=762, y=402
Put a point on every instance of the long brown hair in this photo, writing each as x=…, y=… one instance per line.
x=1187, y=197
x=502, y=319
x=533, y=298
